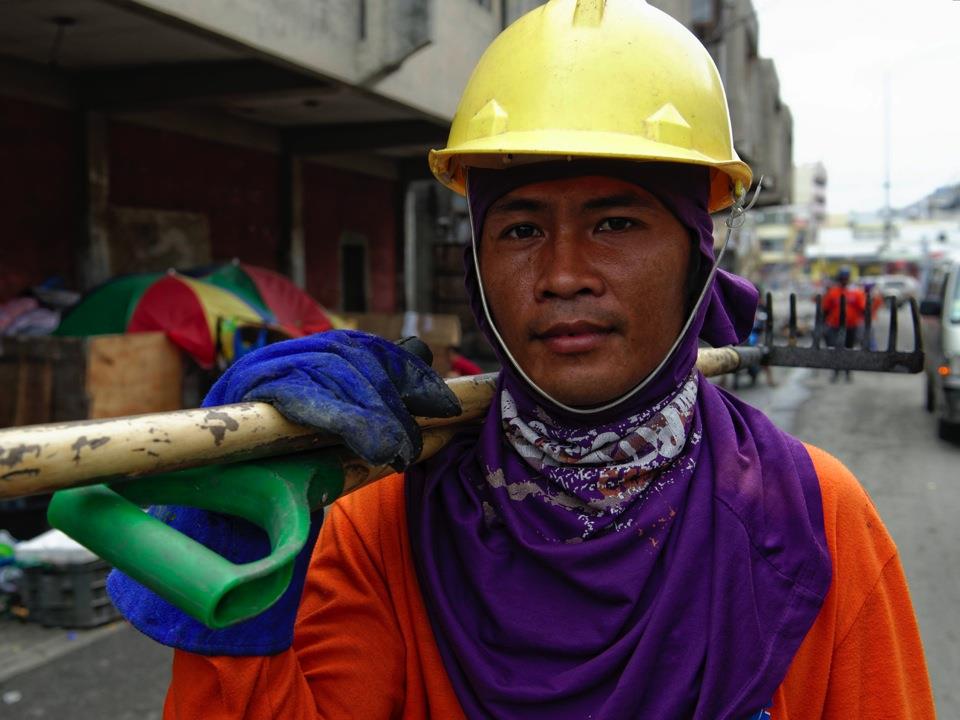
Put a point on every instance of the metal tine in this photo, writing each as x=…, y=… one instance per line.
x=837, y=356
x=792, y=333
x=892, y=338
x=868, y=322
x=817, y=322
x=768, y=339
x=842, y=338
x=917, y=333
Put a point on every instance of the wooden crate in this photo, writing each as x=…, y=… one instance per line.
x=56, y=379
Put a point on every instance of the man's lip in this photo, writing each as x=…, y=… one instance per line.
x=572, y=329
x=574, y=338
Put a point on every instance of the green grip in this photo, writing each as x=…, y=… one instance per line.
x=277, y=496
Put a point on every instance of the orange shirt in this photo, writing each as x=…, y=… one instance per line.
x=856, y=306
x=364, y=647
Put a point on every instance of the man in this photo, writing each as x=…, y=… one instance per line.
x=620, y=539
x=845, y=334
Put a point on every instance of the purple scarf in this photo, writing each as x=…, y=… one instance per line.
x=686, y=596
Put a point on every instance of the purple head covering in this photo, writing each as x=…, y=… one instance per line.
x=689, y=596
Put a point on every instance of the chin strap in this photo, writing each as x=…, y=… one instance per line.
x=738, y=213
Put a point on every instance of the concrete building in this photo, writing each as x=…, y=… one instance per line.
x=810, y=191
x=779, y=233
x=143, y=134
x=762, y=123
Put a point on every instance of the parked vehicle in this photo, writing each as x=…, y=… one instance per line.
x=940, y=313
x=901, y=287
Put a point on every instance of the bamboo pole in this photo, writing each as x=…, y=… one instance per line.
x=44, y=458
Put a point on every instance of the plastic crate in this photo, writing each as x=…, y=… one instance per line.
x=68, y=596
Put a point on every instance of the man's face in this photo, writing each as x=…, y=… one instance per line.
x=586, y=281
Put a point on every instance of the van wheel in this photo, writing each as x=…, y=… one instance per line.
x=948, y=431
x=929, y=401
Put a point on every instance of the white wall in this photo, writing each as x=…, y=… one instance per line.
x=435, y=43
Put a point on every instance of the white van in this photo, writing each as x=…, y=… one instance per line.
x=940, y=312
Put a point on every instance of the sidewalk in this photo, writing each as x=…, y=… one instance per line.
x=26, y=645
x=106, y=673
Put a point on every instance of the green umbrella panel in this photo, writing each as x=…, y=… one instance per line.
x=107, y=309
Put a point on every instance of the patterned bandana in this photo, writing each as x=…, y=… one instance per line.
x=595, y=473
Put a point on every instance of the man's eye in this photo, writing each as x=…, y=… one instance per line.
x=615, y=224
x=521, y=232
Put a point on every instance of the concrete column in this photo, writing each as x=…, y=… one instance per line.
x=93, y=250
x=292, y=251
x=298, y=252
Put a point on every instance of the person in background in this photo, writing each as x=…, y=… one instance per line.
x=460, y=365
x=848, y=335
x=872, y=291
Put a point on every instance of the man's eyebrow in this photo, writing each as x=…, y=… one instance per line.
x=516, y=205
x=623, y=200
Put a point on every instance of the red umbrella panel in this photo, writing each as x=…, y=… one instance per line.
x=195, y=315
x=291, y=306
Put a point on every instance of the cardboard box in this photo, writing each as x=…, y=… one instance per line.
x=437, y=331
x=56, y=379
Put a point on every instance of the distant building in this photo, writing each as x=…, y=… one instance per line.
x=779, y=237
x=860, y=244
x=944, y=202
x=810, y=195
x=762, y=123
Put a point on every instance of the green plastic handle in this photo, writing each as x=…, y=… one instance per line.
x=278, y=496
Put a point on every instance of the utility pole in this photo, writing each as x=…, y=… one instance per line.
x=887, y=211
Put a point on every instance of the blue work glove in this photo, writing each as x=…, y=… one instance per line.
x=358, y=386
x=355, y=385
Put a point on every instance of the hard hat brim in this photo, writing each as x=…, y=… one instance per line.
x=727, y=178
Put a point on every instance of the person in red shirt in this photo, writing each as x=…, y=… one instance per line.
x=460, y=365
x=849, y=335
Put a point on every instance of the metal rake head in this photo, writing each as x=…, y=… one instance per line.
x=831, y=352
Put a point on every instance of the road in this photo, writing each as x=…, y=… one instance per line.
x=876, y=425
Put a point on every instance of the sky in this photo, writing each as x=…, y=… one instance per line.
x=832, y=58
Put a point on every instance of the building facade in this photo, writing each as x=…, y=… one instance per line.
x=166, y=133
x=146, y=134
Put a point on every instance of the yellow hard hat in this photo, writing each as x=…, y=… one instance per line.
x=595, y=78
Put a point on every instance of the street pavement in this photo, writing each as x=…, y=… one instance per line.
x=110, y=673
x=875, y=424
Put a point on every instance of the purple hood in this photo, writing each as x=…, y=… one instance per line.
x=699, y=609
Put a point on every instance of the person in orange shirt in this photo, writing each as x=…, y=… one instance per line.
x=619, y=538
x=848, y=335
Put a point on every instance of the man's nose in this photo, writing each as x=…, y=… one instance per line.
x=565, y=268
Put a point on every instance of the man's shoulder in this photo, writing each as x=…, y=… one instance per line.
x=858, y=540
x=838, y=485
x=843, y=494
x=373, y=507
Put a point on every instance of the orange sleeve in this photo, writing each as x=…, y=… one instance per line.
x=363, y=646
x=878, y=670
x=863, y=657
x=829, y=300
